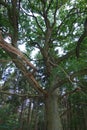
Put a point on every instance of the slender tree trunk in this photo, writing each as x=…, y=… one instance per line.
x=85, y=117
x=35, y=115
x=53, y=121
x=29, y=115
x=21, y=116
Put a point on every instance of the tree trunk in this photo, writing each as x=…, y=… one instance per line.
x=53, y=121
x=29, y=115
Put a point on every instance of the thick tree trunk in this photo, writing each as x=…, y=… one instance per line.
x=52, y=114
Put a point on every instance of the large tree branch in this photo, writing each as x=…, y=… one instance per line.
x=78, y=73
x=20, y=95
x=63, y=58
x=21, y=62
x=69, y=77
x=66, y=56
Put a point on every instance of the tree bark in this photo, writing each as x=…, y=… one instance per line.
x=53, y=121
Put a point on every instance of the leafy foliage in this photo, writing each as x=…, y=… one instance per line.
x=51, y=29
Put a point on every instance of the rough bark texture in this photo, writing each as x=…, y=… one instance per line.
x=52, y=113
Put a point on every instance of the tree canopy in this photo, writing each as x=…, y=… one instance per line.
x=49, y=77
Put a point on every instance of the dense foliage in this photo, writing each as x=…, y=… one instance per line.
x=54, y=36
